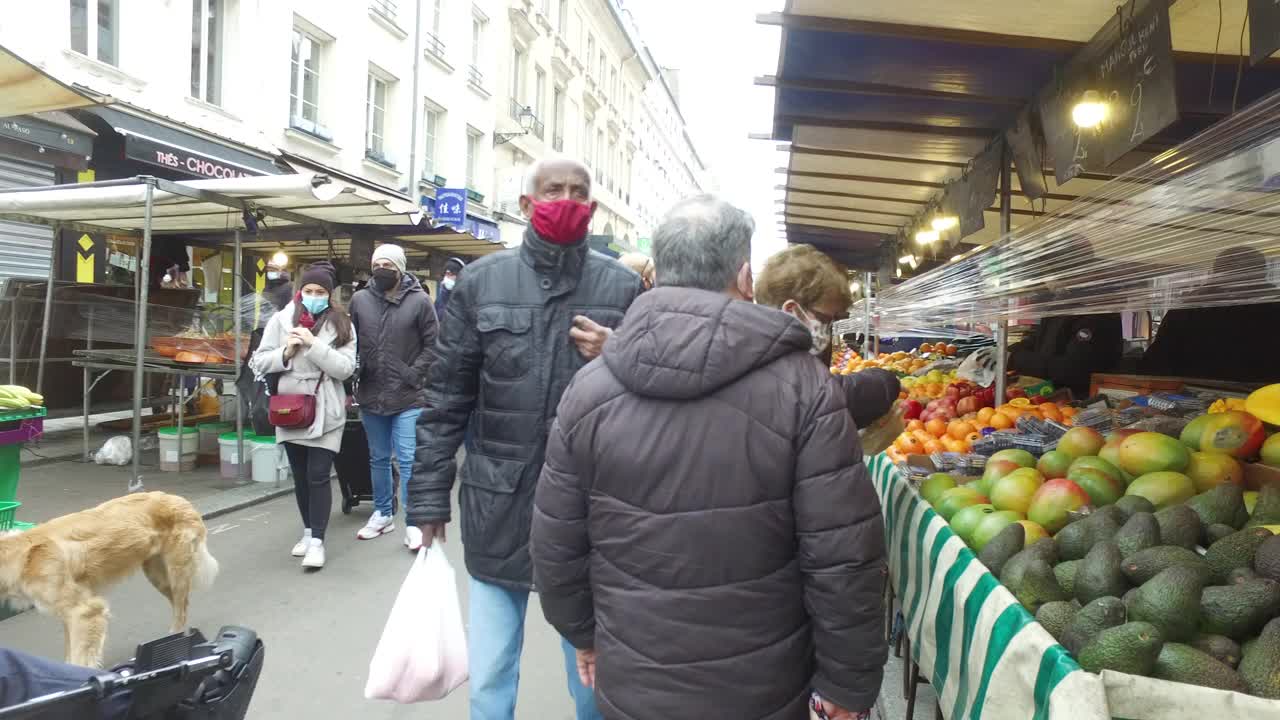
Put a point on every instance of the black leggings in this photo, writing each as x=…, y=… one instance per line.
x=311, y=467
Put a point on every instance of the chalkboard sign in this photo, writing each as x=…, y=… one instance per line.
x=971, y=196
x=1264, y=29
x=1025, y=148
x=1129, y=65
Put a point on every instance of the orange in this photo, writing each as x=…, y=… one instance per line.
x=956, y=446
x=923, y=436
x=936, y=427
x=1068, y=412
x=958, y=429
x=984, y=415
x=915, y=425
x=1000, y=421
x=934, y=446
x=1052, y=413
x=902, y=395
x=973, y=437
x=910, y=444
x=952, y=350
x=926, y=348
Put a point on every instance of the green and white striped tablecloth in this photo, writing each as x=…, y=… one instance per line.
x=982, y=652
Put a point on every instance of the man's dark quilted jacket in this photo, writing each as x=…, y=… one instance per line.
x=705, y=522
x=503, y=359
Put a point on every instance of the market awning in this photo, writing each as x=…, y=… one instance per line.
x=417, y=244
x=300, y=201
x=26, y=89
x=884, y=103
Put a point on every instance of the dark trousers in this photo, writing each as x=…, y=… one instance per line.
x=311, y=467
x=24, y=677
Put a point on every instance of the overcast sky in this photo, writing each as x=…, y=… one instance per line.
x=719, y=50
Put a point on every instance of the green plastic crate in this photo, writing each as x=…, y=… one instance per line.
x=7, y=511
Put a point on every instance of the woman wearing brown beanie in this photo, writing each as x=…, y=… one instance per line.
x=311, y=347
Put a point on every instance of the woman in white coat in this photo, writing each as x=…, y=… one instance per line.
x=311, y=345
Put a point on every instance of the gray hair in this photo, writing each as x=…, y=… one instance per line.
x=534, y=171
x=702, y=243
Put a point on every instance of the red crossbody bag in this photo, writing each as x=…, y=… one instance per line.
x=293, y=411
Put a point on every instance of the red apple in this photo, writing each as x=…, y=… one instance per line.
x=911, y=409
x=967, y=405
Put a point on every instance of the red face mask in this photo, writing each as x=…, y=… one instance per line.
x=562, y=222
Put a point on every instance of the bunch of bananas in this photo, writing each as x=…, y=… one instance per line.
x=1222, y=405
x=16, y=397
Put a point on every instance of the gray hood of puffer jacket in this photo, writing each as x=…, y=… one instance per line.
x=705, y=522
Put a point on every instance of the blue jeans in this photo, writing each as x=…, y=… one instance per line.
x=495, y=639
x=384, y=431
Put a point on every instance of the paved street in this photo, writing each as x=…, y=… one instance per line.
x=319, y=629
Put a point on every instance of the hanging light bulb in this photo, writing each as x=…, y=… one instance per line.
x=1090, y=112
x=908, y=258
x=280, y=259
x=899, y=271
x=927, y=237
x=956, y=258
x=943, y=223
x=854, y=287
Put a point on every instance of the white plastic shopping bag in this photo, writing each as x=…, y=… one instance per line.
x=423, y=651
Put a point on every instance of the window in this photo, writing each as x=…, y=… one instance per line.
x=604, y=65
x=95, y=29
x=591, y=50
x=477, y=36
x=540, y=93
x=304, y=83
x=613, y=84
x=557, y=120
x=206, y=50
x=588, y=156
x=375, y=133
x=431, y=126
x=434, y=44
x=473, y=153
x=517, y=74
x=562, y=18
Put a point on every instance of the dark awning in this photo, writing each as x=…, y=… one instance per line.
x=158, y=144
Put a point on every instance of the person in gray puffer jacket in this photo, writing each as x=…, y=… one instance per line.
x=705, y=531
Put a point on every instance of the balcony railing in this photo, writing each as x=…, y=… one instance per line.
x=433, y=44
x=475, y=196
x=475, y=77
x=385, y=8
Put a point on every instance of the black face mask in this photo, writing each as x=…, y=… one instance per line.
x=385, y=278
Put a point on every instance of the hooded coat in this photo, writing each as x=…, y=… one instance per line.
x=705, y=522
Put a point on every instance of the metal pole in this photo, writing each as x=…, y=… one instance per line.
x=866, y=321
x=415, y=102
x=88, y=386
x=182, y=385
x=48, y=313
x=235, y=328
x=13, y=339
x=1006, y=225
x=140, y=336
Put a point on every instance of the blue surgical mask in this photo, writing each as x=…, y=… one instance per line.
x=315, y=305
x=273, y=276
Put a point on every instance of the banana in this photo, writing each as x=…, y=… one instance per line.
x=13, y=403
x=23, y=393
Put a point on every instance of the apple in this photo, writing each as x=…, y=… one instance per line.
x=911, y=409
x=967, y=405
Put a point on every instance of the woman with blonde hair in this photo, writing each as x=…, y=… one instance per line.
x=806, y=284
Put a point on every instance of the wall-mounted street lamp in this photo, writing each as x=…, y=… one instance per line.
x=525, y=118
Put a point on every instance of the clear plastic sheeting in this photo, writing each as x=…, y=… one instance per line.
x=1197, y=226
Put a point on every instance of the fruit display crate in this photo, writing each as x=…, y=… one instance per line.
x=21, y=426
x=986, y=656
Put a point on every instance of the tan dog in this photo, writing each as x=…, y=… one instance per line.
x=63, y=566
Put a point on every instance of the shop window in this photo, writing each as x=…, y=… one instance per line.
x=206, y=50
x=95, y=29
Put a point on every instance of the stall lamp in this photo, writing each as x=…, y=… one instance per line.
x=956, y=258
x=907, y=259
x=854, y=287
x=943, y=223
x=927, y=237
x=899, y=274
x=280, y=260
x=1090, y=112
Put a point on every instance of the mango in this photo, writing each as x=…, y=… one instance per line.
x=1208, y=470
x=966, y=520
x=1033, y=532
x=1015, y=490
x=1081, y=442
x=1163, y=489
x=935, y=485
x=1149, y=452
x=1053, y=502
x=1234, y=432
x=1021, y=457
x=991, y=526
x=1054, y=464
x=1193, y=431
x=1271, y=451
x=956, y=499
x=1100, y=479
x=995, y=469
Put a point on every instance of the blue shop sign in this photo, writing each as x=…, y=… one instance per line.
x=481, y=229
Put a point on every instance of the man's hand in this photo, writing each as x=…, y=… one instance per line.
x=431, y=531
x=589, y=336
x=587, y=668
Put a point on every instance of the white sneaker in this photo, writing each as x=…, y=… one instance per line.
x=378, y=524
x=301, y=548
x=315, y=554
x=413, y=538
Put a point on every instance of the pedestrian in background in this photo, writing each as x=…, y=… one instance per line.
x=517, y=326
x=642, y=265
x=311, y=346
x=396, y=332
x=452, y=268
x=705, y=532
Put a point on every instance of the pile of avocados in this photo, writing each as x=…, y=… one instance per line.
x=1127, y=588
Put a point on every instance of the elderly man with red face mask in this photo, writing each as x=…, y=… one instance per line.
x=518, y=325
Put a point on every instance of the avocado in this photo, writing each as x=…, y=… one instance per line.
x=1267, y=560
x=1055, y=616
x=1007, y=543
x=1179, y=525
x=1235, y=551
x=1239, y=575
x=1171, y=602
x=1239, y=611
x=1130, y=648
x=1247, y=646
x=1132, y=504
x=1043, y=550
x=1266, y=511
x=1224, y=649
x=1219, y=505
x=1066, y=574
x=1033, y=584
x=1215, y=532
x=1140, y=531
x=1260, y=666
x=1146, y=564
x=1077, y=539
x=1092, y=619
x=1185, y=664
x=1117, y=515
x=1099, y=574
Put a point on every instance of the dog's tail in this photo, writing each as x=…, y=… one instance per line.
x=206, y=566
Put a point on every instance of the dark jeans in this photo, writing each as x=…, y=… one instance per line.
x=311, y=467
x=24, y=677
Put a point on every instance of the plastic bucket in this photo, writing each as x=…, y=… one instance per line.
x=10, y=468
x=169, y=459
x=266, y=459
x=228, y=454
x=209, y=432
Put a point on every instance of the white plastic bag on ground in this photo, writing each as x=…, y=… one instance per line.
x=116, y=451
x=423, y=651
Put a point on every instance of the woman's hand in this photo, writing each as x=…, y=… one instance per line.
x=302, y=335
x=291, y=347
